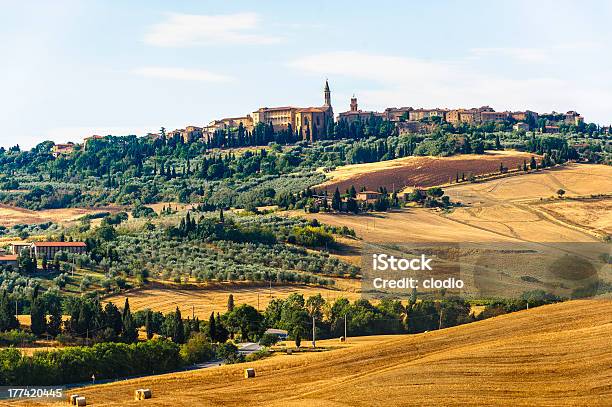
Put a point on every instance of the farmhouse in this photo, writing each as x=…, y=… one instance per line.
x=8, y=260
x=520, y=126
x=62, y=149
x=17, y=247
x=368, y=196
x=281, y=333
x=49, y=249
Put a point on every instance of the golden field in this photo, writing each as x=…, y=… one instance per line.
x=11, y=215
x=514, y=207
x=556, y=355
x=427, y=171
x=505, y=209
x=203, y=300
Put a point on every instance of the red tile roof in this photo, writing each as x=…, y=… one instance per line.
x=60, y=244
x=8, y=257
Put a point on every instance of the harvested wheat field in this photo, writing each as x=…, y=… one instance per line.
x=574, y=179
x=593, y=214
x=556, y=355
x=404, y=225
x=419, y=171
x=522, y=208
x=11, y=215
x=202, y=301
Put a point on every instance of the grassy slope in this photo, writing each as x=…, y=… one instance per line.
x=553, y=355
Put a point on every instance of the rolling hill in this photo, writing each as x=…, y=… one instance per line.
x=556, y=355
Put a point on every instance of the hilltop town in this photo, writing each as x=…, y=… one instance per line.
x=314, y=123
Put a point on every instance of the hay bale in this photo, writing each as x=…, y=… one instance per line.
x=142, y=394
x=342, y=339
x=248, y=373
x=72, y=399
x=80, y=401
x=289, y=351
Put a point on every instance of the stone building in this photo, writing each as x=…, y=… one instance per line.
x=59, y=150
x=49, y=249
x=309, y=122
x=356, y=115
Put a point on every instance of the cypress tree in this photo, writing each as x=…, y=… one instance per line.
x=129, y=332
x=212, y=329
x=8, y=320
x=38, y=318
x=230, y=303
x=149, y=324
x=222, y=333
x=336, y=200
x=178, y=336
x=54, y=307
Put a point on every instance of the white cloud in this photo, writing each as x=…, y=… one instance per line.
x=466, y=82
x=185, y=30
x=517, y=54
x=183, y=74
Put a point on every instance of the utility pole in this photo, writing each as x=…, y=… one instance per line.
x=193, y=312
x=257, y=301
x=314, y=343
x=345, y=337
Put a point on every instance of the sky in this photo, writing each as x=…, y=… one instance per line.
x=73, y=68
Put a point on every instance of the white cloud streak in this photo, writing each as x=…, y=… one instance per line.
x=188, y=30
x=183, y=74
x=465, y=82
x=525, y=55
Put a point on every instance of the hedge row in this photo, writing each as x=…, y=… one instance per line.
x=77, y=364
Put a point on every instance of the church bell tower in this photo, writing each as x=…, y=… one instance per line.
x=327, y=94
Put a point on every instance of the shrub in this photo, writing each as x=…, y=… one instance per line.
x=260, y=354
x=268, y=339
x=228, y=352
x=197, y=349
x=16, y=337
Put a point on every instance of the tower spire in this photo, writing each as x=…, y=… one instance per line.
x=327, y=94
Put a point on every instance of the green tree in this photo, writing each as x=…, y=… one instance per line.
x=221, y=330
x=129, y=333
x=246, y=320
x=197, y=349
x=149, y=324
x=297, y=335
x=336, y=200
x=38, y=315
x=212, y=331
x=230, y=303
x=54, y=308
x=113, y=320
x=8, y=320
x=178, y=335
